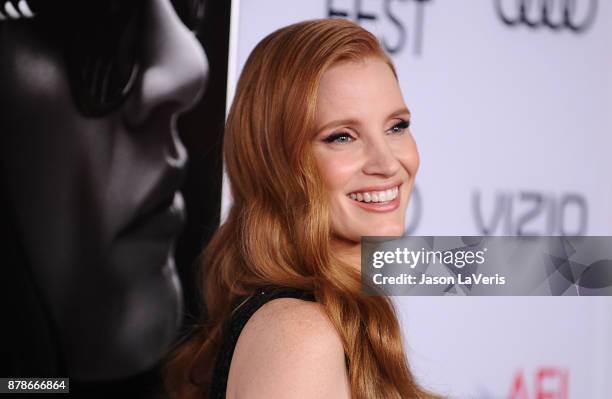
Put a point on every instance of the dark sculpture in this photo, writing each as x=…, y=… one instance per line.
x=90, y=165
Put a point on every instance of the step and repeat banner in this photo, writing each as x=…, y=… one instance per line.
x=511, y=103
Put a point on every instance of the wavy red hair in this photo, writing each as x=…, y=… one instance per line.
x=278, y=228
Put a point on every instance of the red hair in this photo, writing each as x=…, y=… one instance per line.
x=278, y=229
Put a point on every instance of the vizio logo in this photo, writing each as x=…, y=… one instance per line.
x=530, y=213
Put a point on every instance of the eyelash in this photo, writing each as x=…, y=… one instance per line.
x=403, y=125
x=334, y=138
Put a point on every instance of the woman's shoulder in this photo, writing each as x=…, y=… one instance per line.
x=290, y=320
x=288, y=348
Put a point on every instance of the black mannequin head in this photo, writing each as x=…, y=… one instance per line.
x=91, y=191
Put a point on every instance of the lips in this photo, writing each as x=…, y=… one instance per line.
x=162, y=212
x=375, y=196
x=377, y=199
x=164, y=222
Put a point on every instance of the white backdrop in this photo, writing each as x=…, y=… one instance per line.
x=514, y=128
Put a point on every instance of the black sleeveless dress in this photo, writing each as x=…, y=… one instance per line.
x=236, y=323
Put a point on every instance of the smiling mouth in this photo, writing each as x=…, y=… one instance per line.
x=380, y=197
x=377, y=201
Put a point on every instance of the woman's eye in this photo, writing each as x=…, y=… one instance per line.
x=400, y=127
x=339, y=138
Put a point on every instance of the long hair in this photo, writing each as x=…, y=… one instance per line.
x=278, y=230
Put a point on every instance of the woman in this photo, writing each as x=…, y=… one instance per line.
x=318, y=154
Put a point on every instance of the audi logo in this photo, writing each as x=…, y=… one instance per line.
x=575, y=15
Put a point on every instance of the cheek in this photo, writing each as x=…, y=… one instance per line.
x=38, y=72
x=408, y=155
x=337, y=170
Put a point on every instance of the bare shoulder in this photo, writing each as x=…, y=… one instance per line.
x=288, y=349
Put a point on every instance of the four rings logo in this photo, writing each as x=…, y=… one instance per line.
x=574, y=15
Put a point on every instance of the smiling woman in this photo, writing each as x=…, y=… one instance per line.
x=318, y=153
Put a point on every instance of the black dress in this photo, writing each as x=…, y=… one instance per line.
x=236, y=323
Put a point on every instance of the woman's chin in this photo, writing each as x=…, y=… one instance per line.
x=382, y=231
x=353, y=236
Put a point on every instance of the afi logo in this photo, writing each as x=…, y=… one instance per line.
x=548, y=383
x=574, y=15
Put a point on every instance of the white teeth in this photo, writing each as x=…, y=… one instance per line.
x=376, y=196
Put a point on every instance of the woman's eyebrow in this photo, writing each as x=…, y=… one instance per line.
x=401, y=111
x=351, y=121
x=338, y=122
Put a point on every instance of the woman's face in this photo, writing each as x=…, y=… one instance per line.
x=364, y=149
x=95, y=200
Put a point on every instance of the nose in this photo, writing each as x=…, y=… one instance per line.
x=380, y=158
x=173, y=67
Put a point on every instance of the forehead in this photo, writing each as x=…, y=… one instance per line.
x=358, y=88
